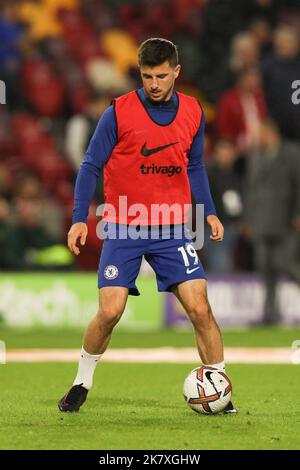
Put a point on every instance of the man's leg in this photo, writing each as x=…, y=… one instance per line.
x=288, y=256
x=112, y=302
x=193, y=297
x=265, y=254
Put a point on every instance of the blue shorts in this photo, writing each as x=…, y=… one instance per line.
x=174, y=260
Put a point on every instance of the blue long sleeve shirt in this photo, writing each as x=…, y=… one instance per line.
x=104, y=140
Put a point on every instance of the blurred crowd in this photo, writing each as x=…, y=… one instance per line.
x=62, y=62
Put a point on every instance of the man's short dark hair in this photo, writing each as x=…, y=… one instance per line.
x=156, y=51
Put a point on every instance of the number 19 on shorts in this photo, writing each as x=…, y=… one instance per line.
x=188, y=250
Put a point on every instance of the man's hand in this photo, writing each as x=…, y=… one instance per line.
x=77, y=232
x=217, y=229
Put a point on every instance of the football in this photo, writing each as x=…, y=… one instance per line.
x=207, y=390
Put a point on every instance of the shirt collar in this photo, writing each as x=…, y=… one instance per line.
x=171, y=103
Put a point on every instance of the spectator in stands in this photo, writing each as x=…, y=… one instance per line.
x=44, y=211
x=79, y=131
x=218, y=65
x=80, y=128
x=31, y=231
x=242, y=109
x=37, y=248
x=226, y=188
x=244, y=52
x=279, y=70
x=104, y=76
x=39, y=38
x=273, y=212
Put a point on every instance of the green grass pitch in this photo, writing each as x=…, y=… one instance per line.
x=140, y=406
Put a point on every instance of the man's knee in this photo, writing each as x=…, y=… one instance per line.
x=200, y=314
x=112, y=302
x=110, y=315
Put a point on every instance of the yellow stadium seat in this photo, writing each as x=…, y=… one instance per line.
x=120, y=47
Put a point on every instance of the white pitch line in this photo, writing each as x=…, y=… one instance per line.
x=156, y=355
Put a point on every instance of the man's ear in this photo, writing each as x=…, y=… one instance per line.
x=177, y=70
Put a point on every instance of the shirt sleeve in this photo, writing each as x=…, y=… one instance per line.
x=197, y=172
x=97, y=154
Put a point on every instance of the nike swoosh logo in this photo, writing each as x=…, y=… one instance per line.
x=147, y=152
x=190, y=271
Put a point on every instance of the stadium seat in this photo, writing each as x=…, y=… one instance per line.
x=43, y=89
x=79, y=98
x=87, y=50
x=15, y=164
x=64, y=192
x=48, y=97
x=75, y=30
x=42, y=21
x=25, y=126
x=120, y=46
x=31, y=150
x=51, y=167
x=57, y=5
x=8, y=144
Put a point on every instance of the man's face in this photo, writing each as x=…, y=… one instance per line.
x=286, y=44
x=158, y=81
